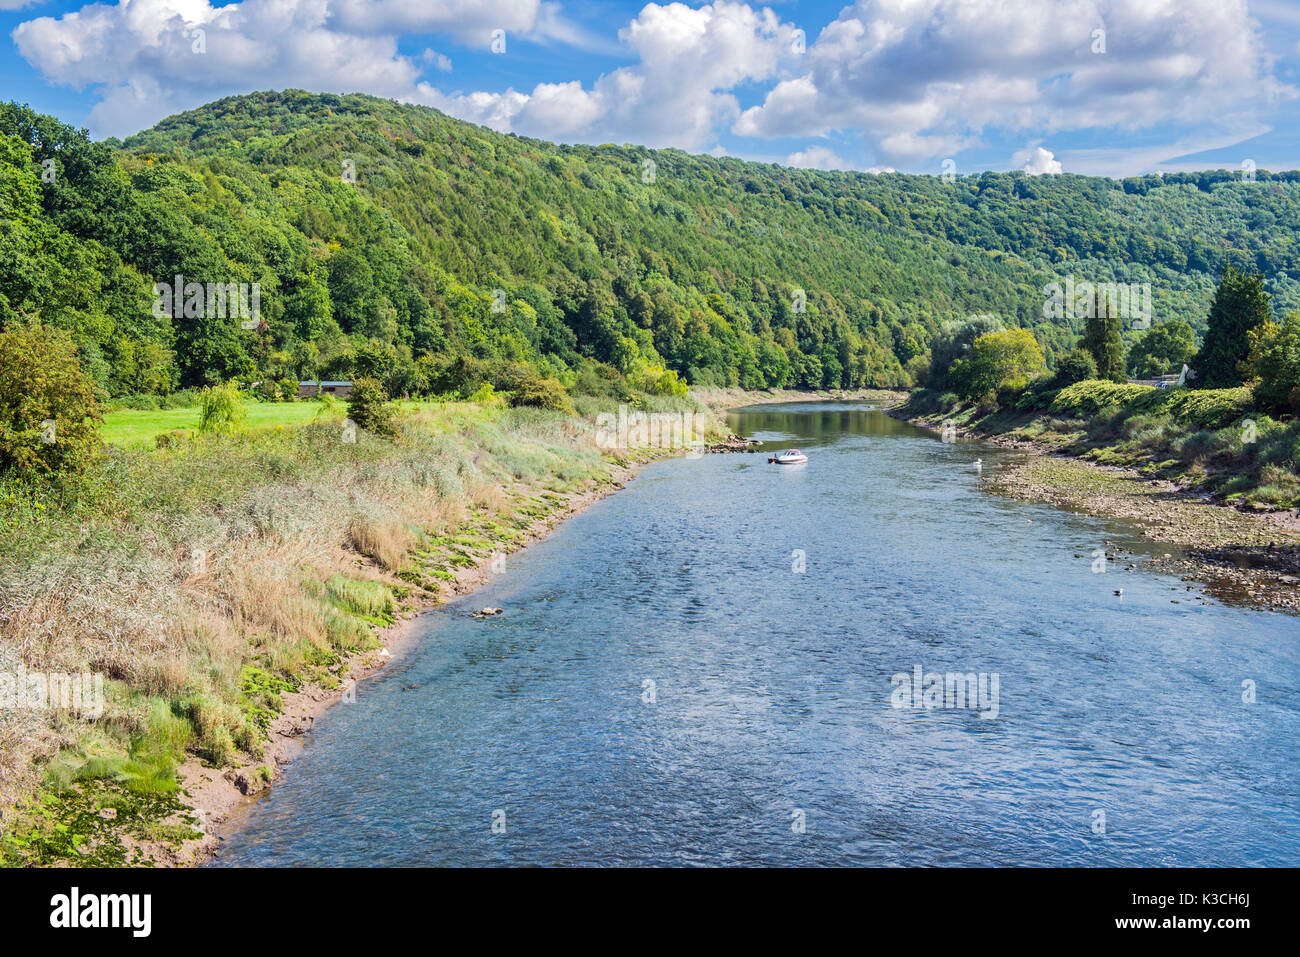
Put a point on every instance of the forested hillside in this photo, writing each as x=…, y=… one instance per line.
x=384, y=237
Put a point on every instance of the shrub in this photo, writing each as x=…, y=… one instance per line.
x=368, y=407
x=486, y=396
x=278, y=390
x=49, y=413
x=170, y=439
x=221, y=409
x=543, y=394
x=1078, y=365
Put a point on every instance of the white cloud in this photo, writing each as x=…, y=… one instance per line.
x=437, y=60
x=141, y=54
x=678, y=94
x=924, y=78
x=919, y=79
x=145, y=54
x=470, y=21
x=817, y=157
x=1036, y=161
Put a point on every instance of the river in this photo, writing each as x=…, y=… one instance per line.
x=706, y=668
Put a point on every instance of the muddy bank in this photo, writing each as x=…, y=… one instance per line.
x=1244, y=557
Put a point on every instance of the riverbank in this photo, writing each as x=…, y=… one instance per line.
x=228, y=589
x=223, y=796
x=720, y=400
x=1243, y=555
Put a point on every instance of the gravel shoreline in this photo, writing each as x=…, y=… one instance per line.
x=1244, y=558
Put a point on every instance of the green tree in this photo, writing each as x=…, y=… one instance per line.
x=221, y=409
x=351, y=289
x=1077, y=365
x=49, y=413
x=954, y=342
x=1275, y=363
x=1101, y=337
x=1162, y=350
x=1240, y=305
x=773, y=365
x=308, y=309
x=999, y=363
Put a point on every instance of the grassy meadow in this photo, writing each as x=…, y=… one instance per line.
x=141, y=427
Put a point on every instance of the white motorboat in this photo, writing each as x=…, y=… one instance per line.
x=788, y=457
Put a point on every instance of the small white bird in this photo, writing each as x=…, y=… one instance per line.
x=979, y=466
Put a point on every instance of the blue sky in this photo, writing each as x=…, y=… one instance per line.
x=1110, y=87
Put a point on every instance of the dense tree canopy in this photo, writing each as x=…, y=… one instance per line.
x=378, y=234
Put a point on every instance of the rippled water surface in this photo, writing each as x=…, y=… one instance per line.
x=772, y=687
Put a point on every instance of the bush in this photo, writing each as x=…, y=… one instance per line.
x=543, y=394
x=221, y=409
x=278, y=390
x=368, y=407
x=1200, y=409
x=170, y=439
x=486, y=396
x=49, y=413
x=1078, y=365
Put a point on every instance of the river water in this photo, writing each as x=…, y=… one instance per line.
x=701, y=669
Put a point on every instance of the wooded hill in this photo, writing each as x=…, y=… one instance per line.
x=379, y=234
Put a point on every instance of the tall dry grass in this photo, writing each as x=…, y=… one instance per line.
x=171, y=571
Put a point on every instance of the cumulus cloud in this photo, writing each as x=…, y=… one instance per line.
x=435, y=59
x=817, y=157
x=149, y=58
x=154, y=57
x=1036, y=161
x=918, y=79
x=678, y=94
x=925, y=78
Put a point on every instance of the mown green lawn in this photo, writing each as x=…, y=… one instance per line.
x=142, y=426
